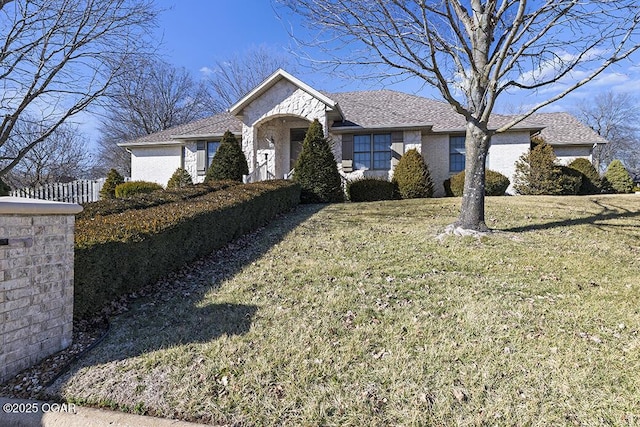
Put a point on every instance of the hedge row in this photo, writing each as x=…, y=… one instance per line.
x=143, y=201
x=119, y=254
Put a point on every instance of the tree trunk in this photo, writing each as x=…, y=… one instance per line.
x=476, y=149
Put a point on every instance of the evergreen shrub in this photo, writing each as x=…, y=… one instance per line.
x=180, y=178
x=537, y=172
x=119, y=254
x=591, y=182
x=617, y=179
x=131, y=188
x=114, y=179
x=411, y=176
x=316, y=170
x=229, y=162
x=495, y=184
x=370, y=190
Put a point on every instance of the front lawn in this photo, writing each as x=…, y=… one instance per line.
x=357, y=314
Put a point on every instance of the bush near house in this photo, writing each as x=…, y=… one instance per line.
x=411, y=176
x=370, y=190
x=180, y=178
x=114, y=179
x=4, y=188
x=591, y=182
x=617, y=179
x=229, y=162
x=496, y=184
x=537, y=173
x=131, y=188
x=119, y=254
x=316, y=170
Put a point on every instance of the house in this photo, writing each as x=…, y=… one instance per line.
x=370, y=131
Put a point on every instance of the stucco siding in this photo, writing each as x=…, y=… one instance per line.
x=155, y=164
x=568, y=154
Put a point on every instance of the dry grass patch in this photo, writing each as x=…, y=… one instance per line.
x=357, y=315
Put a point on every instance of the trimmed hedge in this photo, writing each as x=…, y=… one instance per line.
x=119, y=254
x=495, y=184
x=370, y=190
x=147, y=200
x=114, y=179
x=132, y=188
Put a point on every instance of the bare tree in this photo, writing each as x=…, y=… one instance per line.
x=148, y=97
x=475, y=51
x=615, y=117
x=61, y=157
x=57, y=57
x=234, y=77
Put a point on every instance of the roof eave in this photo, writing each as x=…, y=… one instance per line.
x=399, y=127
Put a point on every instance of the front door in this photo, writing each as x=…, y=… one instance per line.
x=296, y=137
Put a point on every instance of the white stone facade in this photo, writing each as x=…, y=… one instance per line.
x=281, y=108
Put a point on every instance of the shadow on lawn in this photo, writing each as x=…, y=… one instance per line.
x=606, y=214
x=176, y=314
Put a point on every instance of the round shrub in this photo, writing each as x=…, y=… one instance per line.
x=4, y=188
x=180, y=178
x=591, y=183
x=495, y=184
x=132, y=188
x=229, y=162
x=411, y=176
x=316, y=170
x=537, y=172
x=456, y=184
x=617, y=179
x=114, y=179
x=370, y=190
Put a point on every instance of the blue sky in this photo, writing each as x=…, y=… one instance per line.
x=196, y=33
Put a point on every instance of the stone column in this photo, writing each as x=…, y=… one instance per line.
x=36, y=281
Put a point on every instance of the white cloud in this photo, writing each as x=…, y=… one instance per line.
x=206, y=71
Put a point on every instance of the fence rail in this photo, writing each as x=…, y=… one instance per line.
x=81, y=191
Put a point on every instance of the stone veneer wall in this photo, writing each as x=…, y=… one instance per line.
x=36, y=281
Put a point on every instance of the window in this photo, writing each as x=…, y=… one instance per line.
x=456, y=153
x=205, y=152
x=368, y=155
x=212, y=147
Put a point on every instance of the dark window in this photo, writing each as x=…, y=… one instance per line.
x=456, y=153
x=212, y=147
x=372, y=151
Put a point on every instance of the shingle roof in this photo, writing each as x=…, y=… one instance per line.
x=215, y=125
x=380, y=108
x=387, y=108
x=566, y=129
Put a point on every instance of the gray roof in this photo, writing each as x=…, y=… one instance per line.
x=213, y=126
x=566, y=129
x=391, y=109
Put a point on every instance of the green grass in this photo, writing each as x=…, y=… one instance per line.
x=357, y=314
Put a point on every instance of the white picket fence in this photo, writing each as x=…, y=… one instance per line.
x=81, y=191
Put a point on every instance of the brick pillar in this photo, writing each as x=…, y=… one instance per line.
x=36, y=281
